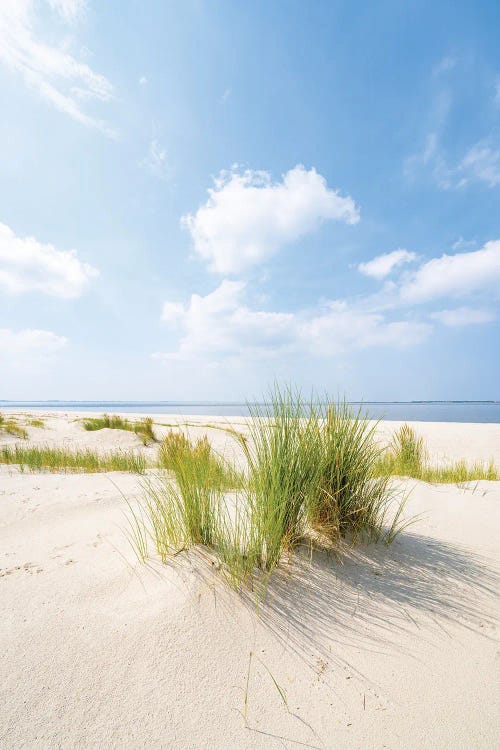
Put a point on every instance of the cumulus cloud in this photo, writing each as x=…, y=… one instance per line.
x=222, y=325
x=172, y=312
x=463, y=316
x=248, y=218
x=30, y=342
x=49, y=68
x=28, y=265
x=382, y=265
x=454, y=275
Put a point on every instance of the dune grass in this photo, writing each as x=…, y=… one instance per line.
x=35, y=423
x=50, y=459
x=308, y=479
x=177, y=452
x=183, y=508
x=407, y=456
x=351, y=500
x=11, y=426
x=142, y=427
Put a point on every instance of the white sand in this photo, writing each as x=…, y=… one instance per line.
x=394, y=648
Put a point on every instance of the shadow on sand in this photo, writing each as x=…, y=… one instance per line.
x=321, y=602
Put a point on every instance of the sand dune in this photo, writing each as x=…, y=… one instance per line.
x=392, y=648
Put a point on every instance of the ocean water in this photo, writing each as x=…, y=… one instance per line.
x=419, y=411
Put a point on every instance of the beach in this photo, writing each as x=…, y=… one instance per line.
x=383, y=647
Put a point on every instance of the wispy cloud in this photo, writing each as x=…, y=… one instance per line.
x=30, y=341
x=482, y=162
x=156, y=161
x=383, y=265
x=47, y=68
x=463, y=316
x=69, y=9
x=479, y=163
x=248, y=218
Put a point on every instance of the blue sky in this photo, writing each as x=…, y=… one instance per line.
x=199, y=198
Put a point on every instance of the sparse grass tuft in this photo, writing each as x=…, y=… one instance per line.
x=35, y=423
x=47, y=458
x=459, y=472
x=12, y=427
x=407, y=456
x=142, y=427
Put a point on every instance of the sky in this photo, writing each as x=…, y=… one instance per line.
x=199, y=199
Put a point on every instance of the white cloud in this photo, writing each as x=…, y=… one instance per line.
x=221, y=325
x=463, y=316
x=454, y=275
x=342, y=328
x=172, y=312
x=30, y=342
x=156, y=160
x=483, y=163
x=28, y=265
x=49, y=69
x=382, y=265
x=248, y=218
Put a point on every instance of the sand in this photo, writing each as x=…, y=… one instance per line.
x=390, y=648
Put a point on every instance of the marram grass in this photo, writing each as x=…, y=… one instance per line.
x=142, y=427
x=12, y=427
x=407, y=456
x=50, y=459
x=177, y=452
x=307, y=478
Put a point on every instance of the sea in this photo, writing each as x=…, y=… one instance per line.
x=418, y=411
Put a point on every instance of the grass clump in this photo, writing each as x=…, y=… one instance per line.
x=308, y=478
x=12, y=427
x=185, y=507
x=284, y=464
x=47, y=458
x=407, y=456
x=35, y=423
x=406, y=452
x=350, y=500
x=142, y=427
x=177, y=453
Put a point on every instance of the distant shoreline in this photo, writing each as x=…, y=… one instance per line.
x=483, y=412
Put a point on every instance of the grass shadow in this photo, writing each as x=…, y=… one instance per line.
x=319, y=604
